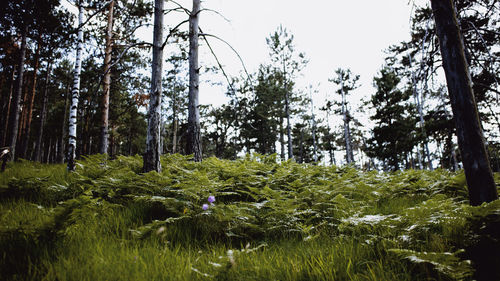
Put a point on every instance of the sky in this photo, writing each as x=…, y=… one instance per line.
x=332, y=33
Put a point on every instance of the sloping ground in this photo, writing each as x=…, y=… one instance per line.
x=269, y=221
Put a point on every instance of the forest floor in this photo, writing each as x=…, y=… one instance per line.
x=269, y=221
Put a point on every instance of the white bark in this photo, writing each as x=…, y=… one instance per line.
x=75, y=93
x=194, y=146
x=107, y=81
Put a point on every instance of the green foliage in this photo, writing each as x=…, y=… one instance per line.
x=278, y=221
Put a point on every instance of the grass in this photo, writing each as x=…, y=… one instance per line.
x=270, y=221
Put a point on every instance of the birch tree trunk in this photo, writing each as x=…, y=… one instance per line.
x=151, y=160
x=103, y=147
x=477, y=169
x=194, y=142
x=43, y=114
x=75, y=93
x=16, y=99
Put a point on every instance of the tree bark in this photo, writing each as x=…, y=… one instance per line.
x=6, y=109
x=62, y=138
x=347, y=135
x=151, y=159
x=75, y=93
x=288, y=126
x=477, y=169
x=16, y=99
x=315, y=146
x=43, y=113
x=103, y=147
x=29, y=114
x=194, y=141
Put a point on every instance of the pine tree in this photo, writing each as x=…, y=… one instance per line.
x=478, y=173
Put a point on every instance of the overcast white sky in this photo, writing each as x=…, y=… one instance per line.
x=332, y=33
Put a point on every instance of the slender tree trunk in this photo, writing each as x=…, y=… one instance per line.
x=152, y=154
x=27, y=129
x=43, y=114
x=23, y=116
x=288, y=126
x=301, y=146
x=330, y=140
x=75, y=93
x=282, y=139
x=62, y=138
x=6, y=109
x=315, y=146
x=478, y=173
x=16, y=100
x=424, y=133
x=103, y=147
x=347, y=135
x=194, y=142
x=175, y=125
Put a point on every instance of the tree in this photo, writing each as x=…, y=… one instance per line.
x=289, y=63
x=75, y=92
x=194, y=141
x=470, y=136
x=153, y=150
x=347, y=82
x=106, y=81
x=392, y=137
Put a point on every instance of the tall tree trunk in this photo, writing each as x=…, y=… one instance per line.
x=347, y=135
x=315, y=146
x=194, y=142
x=29, y=114
x=288, y=126
x=103, y=145
x=75, y=93
x=23, y=116
x=301, y=146
x=175, y=124
x=14, y=116
x=152, y=155
x=43, y=114
x=330, y=140
x=6, y=109
x=282, y=139
x=478, y=173
x=62, y=137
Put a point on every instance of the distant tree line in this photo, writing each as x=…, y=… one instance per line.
x=58, y=104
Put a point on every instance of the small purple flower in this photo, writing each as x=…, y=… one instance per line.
x=205, y=207
x=211, y=199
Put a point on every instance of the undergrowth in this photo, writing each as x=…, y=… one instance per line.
x=269, y=221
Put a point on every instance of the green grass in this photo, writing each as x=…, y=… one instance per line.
x=270, y=221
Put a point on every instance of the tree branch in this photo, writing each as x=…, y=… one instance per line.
x=204, y=35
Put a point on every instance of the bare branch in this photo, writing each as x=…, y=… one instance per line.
x=172, y=32
x=216, y=12
x=204, y=35
x=187, y=11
